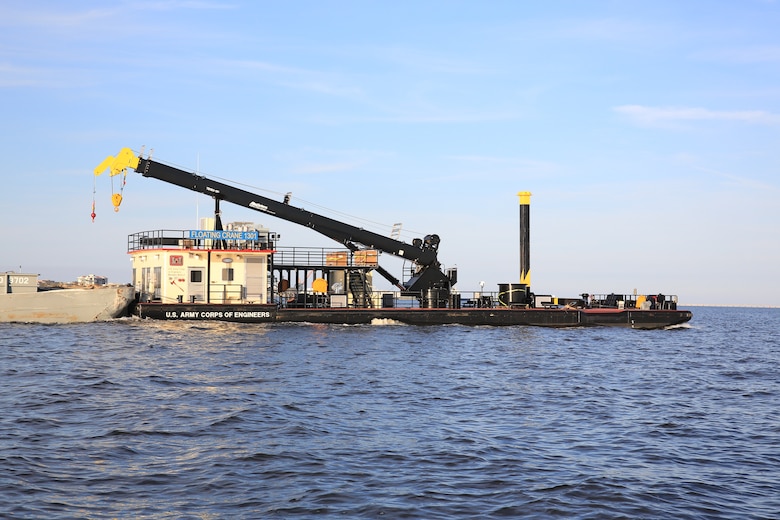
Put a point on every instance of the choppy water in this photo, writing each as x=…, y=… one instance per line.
x=133, y=419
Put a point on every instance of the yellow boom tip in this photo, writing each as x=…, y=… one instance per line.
x=123, y=160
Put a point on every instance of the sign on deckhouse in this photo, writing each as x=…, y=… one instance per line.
x=222, y=234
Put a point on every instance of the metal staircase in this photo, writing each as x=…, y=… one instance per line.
x=360, y=288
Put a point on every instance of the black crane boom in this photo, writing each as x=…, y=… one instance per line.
x=426, y=278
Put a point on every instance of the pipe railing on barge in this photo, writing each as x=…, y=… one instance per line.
x=489, y=299
x=180, y=239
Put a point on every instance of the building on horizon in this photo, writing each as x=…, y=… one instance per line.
x=92, y=279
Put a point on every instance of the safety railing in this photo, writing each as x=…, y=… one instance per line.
x=180, y=239
x=324, y=257
x=384, y=299
x=631, y=301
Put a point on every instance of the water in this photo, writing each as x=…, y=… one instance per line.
x=140, y=419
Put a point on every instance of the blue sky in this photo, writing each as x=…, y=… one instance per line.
x=647, y=132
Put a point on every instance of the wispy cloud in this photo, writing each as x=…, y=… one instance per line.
x=509, y=163
x=319, y=168
x=63, y=47
x=482, y=168
x=14, y=76
x=182, y=4
x=448, y=115
x=743, y=181
x=266, y=67
x=606, y=29
x=296, y=78
x=379, y=100
x=69, y=18
x=54, y=19
x=744, y=55
x=695, y=162
x=647, y=115
x=428, y=60
x=313, y=161
x=594, y=29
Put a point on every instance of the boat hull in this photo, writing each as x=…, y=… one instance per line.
x=67, y=305
x=237, y=312
x=560, y=317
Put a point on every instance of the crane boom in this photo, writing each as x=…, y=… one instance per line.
x=423, y=252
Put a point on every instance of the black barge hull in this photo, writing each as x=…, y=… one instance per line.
x=541, y=317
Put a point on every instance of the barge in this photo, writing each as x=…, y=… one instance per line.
x=22, y=301
x=499, y=316
x=237, y=273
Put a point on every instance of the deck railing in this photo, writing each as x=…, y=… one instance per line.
x=488, y=299
x=633, y=301
x=179, y=239
x=324, y=257
x=386, y=299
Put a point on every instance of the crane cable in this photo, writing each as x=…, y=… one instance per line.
x=117, y=165
x=94, y=191
x=116, y=197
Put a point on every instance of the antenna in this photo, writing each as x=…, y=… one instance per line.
x=197, y=199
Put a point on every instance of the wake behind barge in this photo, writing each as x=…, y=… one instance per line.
x=238, y=274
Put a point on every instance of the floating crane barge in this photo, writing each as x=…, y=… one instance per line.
x=239, y=274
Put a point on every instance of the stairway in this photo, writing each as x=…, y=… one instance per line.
x=360, y=288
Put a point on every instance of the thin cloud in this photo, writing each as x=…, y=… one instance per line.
x=69, y=18
x=745, y=182
x=55, y=20
x=183, y=4
x=319, y=168
x=755, y=54
x=296, y=78
x=613, y=30
x=265, y=67
x=663, y=115
x=429, y=61
x=312, y=161
x=509, y=164
x=607, y=29
x=12, y=76
x=325, y=87
x=448, y=116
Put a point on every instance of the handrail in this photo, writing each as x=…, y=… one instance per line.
x=179, y=239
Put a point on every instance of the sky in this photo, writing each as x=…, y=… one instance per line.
x=647, y=132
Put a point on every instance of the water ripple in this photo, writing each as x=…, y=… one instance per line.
x=139, y=419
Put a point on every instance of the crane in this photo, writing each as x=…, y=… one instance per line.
x=427, y=281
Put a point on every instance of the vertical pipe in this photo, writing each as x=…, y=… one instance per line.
x=207, y=290
x=525, y=232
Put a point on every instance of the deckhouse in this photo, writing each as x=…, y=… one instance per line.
x=202, y=265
